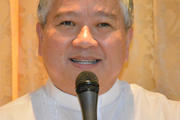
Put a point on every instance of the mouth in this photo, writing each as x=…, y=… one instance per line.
x=85, y=61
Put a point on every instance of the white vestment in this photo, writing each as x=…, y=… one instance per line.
x=121, y=102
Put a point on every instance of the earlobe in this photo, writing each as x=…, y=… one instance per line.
x=129, y=37
x=39, y=31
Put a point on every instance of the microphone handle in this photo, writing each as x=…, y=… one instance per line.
x=88, y=101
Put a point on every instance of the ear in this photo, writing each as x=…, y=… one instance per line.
x=129, y=37
x=39, y=30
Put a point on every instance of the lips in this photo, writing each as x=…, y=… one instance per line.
x=85, y=61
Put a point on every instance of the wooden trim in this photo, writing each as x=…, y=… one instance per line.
x=14, y=7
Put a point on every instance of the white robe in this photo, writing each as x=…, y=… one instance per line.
x=121, y=102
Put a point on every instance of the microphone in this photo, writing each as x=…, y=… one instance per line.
x=87, y=88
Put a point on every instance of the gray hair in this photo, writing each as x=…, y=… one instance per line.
x=126, y=6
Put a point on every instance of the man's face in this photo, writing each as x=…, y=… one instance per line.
x=84, y=35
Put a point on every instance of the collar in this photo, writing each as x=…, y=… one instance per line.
x=69, y=101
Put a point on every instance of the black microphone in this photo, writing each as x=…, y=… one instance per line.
x=87, y=88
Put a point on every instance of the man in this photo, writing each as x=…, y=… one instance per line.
x=87, y=35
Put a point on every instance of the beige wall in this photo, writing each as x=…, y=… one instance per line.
x=5, y=52
x=167, y=47
x=154, y=54
x=31, y=72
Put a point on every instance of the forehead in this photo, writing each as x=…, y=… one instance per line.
x=86, y=6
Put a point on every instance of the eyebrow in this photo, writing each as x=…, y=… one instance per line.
x=105, y=14
x=75, y=14
x=68, y=13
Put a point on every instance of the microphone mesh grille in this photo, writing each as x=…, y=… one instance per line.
x=86, y=77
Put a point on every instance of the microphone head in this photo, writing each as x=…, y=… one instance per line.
x=87, y=81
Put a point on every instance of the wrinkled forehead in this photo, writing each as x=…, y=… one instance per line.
x=86, y=6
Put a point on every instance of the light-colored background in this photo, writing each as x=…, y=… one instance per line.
x=154, y=61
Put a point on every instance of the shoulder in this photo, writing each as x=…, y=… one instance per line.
x=16, y=109
x=155, y=103
x=19, y=109
x=152, y=97
x=140, y=92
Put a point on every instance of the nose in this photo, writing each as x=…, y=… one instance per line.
x=84, y=39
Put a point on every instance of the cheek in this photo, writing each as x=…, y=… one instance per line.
x=54, y=49
x=116, y=51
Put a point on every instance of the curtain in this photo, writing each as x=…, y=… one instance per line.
x=153, y=60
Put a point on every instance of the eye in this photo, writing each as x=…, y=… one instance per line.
x=103, y=25
x=67, y=23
